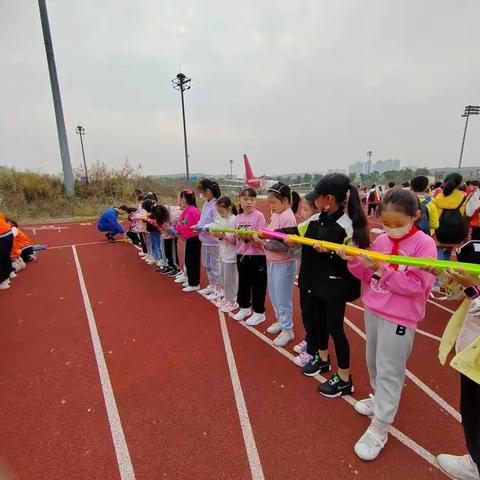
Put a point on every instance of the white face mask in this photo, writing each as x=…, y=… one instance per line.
x=398, y=232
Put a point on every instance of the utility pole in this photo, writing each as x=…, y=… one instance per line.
x=369, y=162
x=469, y=110
x=57, y=102
x=231, y=162
x=182, y=83
x=81, y=131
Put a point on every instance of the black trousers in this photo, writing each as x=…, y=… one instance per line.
x=193, y=250
x=141, y=236
x=372, y=207
x=133, y=237
x=321, y=320
x=6, y=244
x=252, y=282
x=171, y=254
x=470, y=410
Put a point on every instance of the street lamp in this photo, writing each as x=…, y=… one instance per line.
x=369, y=163
x=469, y=110
x=81, y=131
x=231, y=162
x=182, y=83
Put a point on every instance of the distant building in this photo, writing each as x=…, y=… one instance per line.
x=468, y=173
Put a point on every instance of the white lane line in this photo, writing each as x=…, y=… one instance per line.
x=248, y=438
x=121, y=449
x=441, y=306
x=421, y=332
x=427, y=390
x=401, y=437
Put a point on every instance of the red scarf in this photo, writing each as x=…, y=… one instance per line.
x=396, y=243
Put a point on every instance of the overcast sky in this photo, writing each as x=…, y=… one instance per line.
x=297, y=85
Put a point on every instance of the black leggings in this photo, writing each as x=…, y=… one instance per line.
x=322, y=320
x=252, y=282
x=170, y=246
x=6, y=244
x=141, y=236
x=372, y=207
x=193, y=249
x=470, y=410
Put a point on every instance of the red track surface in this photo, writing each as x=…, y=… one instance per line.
x=166, y=360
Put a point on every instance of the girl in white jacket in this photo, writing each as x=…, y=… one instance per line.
x=228, y=256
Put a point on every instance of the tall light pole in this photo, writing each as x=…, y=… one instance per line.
x=369, y=162
x=182, y=83
x=81, y=131
x=231, y=162
x=57, y=102
x=469, y=110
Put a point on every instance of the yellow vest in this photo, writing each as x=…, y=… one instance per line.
x=467, y=361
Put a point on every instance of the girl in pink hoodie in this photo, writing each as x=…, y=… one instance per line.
x=394, y=298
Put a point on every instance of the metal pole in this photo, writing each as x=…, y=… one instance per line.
x=231, y=169
x=463, y=142
x=57, y=102
x=185, y=137
x=84, y=161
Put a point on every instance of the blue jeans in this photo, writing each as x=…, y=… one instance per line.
x=444, y=253
x=280, y=285
x=156, y=253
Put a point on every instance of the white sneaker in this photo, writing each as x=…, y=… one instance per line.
x=191, y=289
x=185, y=284
x=180, y=279
x=284, y=337
x=229, y=307
x=142, y=253
x=207, y=290
x=255, y=319
x=215, y=295
x=242, y=314
x=274, y=328
x=151, y=262
x=13, y=275
x=461, y=468
x=370, y=444
x=302, y=359
x=300, y=347
x=159, y=263
x=365, y=406
x=4, y=285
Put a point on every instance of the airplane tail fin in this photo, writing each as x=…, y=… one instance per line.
x=249, y=175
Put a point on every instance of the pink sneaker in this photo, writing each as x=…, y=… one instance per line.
x=300, y=347
x=302, y=359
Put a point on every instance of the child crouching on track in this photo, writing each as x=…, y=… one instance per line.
x=394, y=298
x=251, y=261
x=108, y=222
x=22, y=249
x=325, y=283
x=6, y=243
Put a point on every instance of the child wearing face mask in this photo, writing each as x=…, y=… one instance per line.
x=394, y=298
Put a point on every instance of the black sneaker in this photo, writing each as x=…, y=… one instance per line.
x=336, y=387
x=164, y=269
x=174, y=272
x=316, y=365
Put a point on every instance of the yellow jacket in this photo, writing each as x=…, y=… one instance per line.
x=433, y=217
x=451, y=202
x=467, y=361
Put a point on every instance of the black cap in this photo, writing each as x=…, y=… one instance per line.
x=335, y=184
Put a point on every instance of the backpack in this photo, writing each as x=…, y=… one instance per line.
x=424, y=222
x=453, y=228
x=372, y=196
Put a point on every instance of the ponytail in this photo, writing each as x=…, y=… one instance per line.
x=295, y=202
x=211, y=185
x=361, y=235
x=452, y=181
x=226, y=202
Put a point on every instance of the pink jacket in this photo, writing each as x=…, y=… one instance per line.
x=281, y=220
x=189, y=217
x=253, y=221
x=400, y=296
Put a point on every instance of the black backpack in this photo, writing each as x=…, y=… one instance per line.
x=453, y=227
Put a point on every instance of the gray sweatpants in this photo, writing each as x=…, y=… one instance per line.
x=230, y=281
x=388, y=348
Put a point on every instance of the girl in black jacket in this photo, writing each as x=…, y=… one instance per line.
x=324, y=281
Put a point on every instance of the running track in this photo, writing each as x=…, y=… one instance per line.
x=108, y=371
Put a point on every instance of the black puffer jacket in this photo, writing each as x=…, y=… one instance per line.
x=326, y=275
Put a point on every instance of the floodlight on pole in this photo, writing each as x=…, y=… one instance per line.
x=81, y=131
x=231, y=162
x=369, y=162
x=469, y=110
x=182, y=83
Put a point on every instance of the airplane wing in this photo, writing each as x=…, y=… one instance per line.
x=291, y=185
